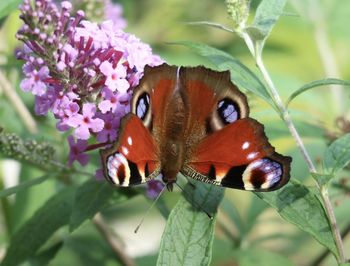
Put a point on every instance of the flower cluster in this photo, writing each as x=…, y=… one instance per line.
x=82, y=72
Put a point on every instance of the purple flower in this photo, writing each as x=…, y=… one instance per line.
x=73, y=66
x=76, y=151
x=109, y=132
x=99, y=175
x=35, y=80
x=114, y=12
x=115, y=77
x=83, y=123
x=110, y=103
x=44, y=103
x=154, y=187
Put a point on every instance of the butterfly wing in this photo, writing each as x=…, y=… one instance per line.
x=203, y=90
x=156, y=86
x=133, y=159
x=239, y=156
x=225, y=147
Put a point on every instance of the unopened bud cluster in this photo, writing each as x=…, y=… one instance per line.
x=12, y=146
x=238, y=11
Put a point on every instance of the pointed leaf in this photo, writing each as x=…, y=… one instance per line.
x=322, y=179
x=315, y=84
x=230, y=209
x=39, y=228
x=337, y=156
x=256, y=208
x=254, y=257
x=267, y=14
x=210, y=24
x=44, y=257
x=24, y=185
x=90, y=198
x=189, y=232
x=242, y=76
x=298, y=205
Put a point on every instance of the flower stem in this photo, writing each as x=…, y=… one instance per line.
x=116, y=246
x=288, y=121
x=21, y=109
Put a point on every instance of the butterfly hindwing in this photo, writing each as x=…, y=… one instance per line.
x=134, y=158
x=239, y=156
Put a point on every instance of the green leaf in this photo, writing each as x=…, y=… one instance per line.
x=267, y=14
x=189, y=232
x=298, y=205
x=257, y=207
x=90, y=198
x=337, y=155
x=315, y=84
x=40, y=227
x=254, y=257
x=6, y=7
x=242, y=76
x=44, y=257
x=24, y=185
x=230, y=209
x=322, y=179
x=210, y=24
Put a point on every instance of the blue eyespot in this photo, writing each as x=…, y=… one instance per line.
x=228, y=111
x=142, y=105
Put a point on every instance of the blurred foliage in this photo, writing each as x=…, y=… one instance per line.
x=248, y=231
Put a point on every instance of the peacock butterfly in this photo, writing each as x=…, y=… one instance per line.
x=195, y=121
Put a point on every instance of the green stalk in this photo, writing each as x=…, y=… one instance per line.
x=256, y=52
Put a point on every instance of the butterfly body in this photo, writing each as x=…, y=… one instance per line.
x=193, y=121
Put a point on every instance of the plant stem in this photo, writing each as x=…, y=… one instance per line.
x=285, y=114
x=325, y=253
x=112, y=241
x=288, y=121
x=21, y=109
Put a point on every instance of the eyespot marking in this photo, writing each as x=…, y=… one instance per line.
x=262, y=174
x=228, y=111
x=142, y=105
x=118, y=169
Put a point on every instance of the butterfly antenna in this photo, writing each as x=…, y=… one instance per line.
x=195, y=203
x=146, y=213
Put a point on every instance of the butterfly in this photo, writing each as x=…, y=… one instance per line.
x=194, y=121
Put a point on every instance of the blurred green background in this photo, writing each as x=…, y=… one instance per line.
x=311, y=41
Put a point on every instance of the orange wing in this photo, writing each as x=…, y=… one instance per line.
x=239, y=156
x=134, y=158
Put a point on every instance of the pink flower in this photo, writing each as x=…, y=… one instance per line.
x=114, y=12
x=83, y=123
x=76, y=151
x=109, y=132
x=73, y=66
x=99, y=175
x=115, y=77
x=44, y=103
x=110, y=103
x=35, y=80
